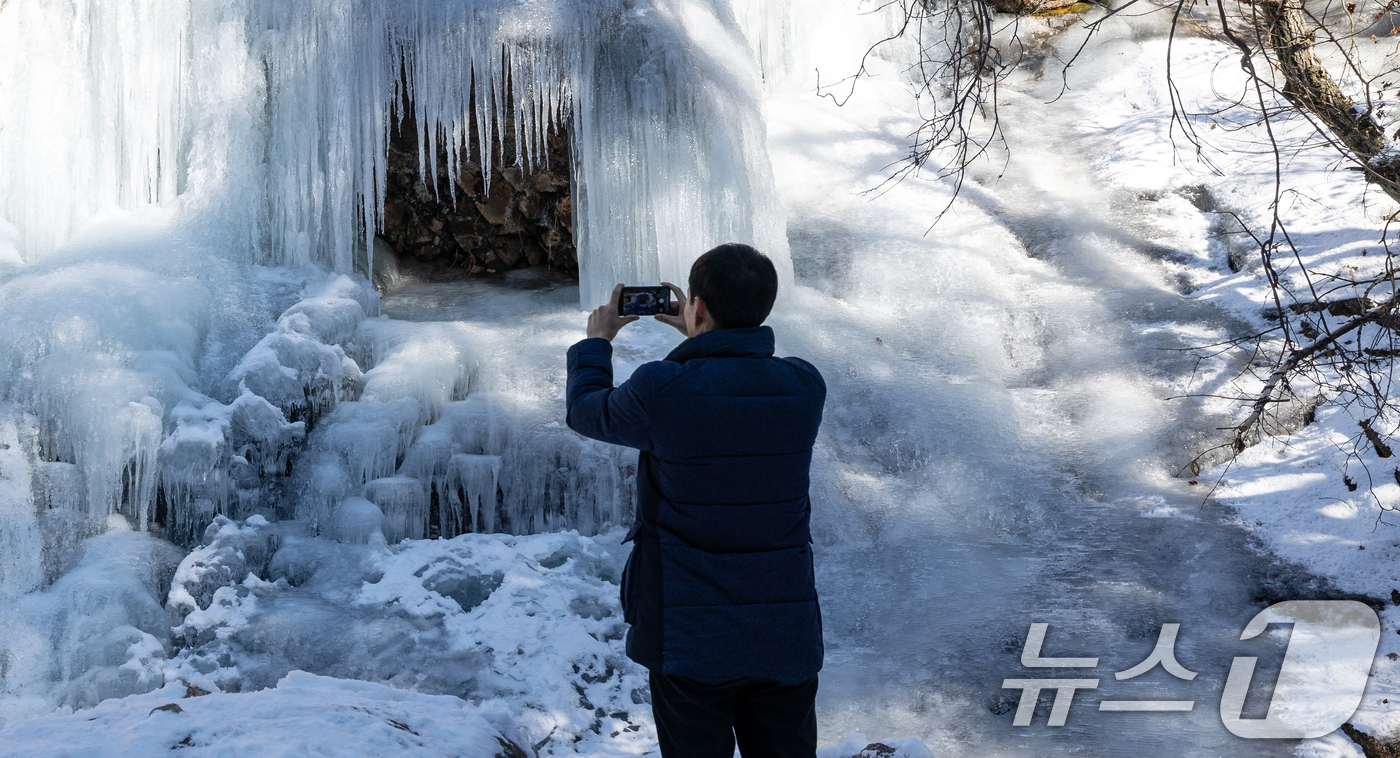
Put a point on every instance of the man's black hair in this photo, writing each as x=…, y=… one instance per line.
x=738, y=283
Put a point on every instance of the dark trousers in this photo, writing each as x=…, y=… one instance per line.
x=768, y=720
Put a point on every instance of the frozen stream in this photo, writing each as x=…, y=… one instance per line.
x=997, y=446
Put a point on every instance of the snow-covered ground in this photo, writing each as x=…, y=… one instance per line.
x=998, y=450
x=303, y=715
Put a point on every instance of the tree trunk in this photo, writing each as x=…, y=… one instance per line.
x=1030, y=7
x=1309, y=86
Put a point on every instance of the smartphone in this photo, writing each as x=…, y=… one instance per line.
x=644, y=301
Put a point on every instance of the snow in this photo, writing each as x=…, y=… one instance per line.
x=69, y=643
x=303, y=715
x=855, y=746
x=529, y=626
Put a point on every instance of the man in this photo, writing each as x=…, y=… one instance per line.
x=719, y=589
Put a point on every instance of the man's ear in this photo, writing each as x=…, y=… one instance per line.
x=701, y=311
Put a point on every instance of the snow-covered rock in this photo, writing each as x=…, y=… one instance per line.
x=526, y=625
x=304, y=715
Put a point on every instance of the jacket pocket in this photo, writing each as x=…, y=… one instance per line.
x=695, y=577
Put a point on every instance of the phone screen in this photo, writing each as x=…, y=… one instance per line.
x=644, y=301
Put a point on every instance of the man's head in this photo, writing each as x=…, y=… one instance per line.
x=736, y=286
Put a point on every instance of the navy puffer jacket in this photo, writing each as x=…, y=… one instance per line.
x=719, y=585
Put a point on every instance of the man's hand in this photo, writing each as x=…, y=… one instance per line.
x=604, y=321
x=676, y=317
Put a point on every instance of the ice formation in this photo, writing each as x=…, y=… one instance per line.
x=274, y=115
x=92, y=630
x=258, y=129
x=188, y=195
x=524, y=625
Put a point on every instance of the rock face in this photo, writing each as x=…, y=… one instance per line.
x=523, y=218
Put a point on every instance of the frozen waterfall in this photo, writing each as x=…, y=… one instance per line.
x=255, y=133
x=187, y=190
x=273, y=117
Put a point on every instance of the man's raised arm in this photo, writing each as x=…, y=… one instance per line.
x=594, y=407
x=597, y=409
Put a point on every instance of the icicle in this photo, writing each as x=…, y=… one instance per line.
x=476, y=477
x=371, y=437
x=21, y=539
x=404, y=503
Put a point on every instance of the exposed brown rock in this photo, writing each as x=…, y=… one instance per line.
x=515, y=175
x=496, y=207
x=564, y=213
x=519, y=218
x=547, y=181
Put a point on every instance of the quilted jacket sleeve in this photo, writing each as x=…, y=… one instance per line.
x=599, y=410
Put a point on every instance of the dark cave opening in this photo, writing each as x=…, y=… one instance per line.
x=471, y=228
